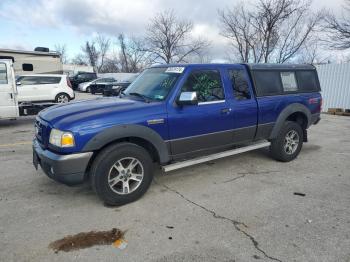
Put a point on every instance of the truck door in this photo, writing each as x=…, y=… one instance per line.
x=193, y=128
x=243, y=104
x=8, y=100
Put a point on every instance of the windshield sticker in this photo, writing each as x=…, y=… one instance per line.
x=176, y=70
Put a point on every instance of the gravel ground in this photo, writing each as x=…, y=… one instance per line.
x=241, y=208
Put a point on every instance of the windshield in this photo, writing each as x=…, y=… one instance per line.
x=154, y=83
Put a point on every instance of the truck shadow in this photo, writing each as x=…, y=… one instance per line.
x=21, y=121
x=310, y=148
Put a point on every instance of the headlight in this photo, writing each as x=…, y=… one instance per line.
x=116, y=87
x=61, y=138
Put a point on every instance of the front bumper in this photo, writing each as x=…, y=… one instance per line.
x=67, y=169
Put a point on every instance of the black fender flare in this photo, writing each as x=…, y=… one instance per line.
x=124, y=131
x=286, y=112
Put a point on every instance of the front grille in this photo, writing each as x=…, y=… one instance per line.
x=42, y=132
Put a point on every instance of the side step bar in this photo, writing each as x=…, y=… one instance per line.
x=199, y=160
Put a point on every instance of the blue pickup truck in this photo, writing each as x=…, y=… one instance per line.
x=174, y=114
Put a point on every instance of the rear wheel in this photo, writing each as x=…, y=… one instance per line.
x=288, y=143
x=62, y=98
x=121, y=173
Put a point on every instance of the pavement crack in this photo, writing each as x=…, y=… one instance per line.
x=235, y=223
x=259, y=172
x=243, y=174
x=235, y=178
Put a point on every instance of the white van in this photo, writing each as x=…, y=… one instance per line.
x=40, y=88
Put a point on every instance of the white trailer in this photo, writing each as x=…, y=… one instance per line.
x=33, y=62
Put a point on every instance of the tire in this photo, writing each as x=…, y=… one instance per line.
x=111, y=165
x=62, y=98
x=284, y=148
x=88, y=90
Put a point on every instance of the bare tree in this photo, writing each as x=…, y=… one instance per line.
x=110, y=65
x=91, y=53
x=297, y=34
x=272, y=31
x=103, y=45
x=133, y=56
x=124, y=58
x=96, y=51
x=238, y=27
x=79, y=59
x=339, y=29
x=313, y=53
x=62, y=50
x=168, y=39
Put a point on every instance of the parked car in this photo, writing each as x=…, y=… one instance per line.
x=39, y=88
x=97, y=84
x=82, y=77
x=177, y=116
x=114, y=90
x=86, y=87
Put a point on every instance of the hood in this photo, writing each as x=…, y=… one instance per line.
x=89, y=113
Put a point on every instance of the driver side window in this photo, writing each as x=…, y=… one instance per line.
x=207, y=84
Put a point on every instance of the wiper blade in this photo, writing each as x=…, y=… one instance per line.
x=145, y=98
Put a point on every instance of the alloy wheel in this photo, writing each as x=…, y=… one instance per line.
x=125, y=176
x=62, y=99
x=291, y=142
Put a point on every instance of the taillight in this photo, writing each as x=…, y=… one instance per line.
x=69, y=83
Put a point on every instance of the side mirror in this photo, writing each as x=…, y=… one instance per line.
x=188, y=98
x=18, y=83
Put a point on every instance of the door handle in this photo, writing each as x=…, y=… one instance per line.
x=226, y=110
x=11, y=96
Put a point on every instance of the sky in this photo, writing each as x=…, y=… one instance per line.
x=26, y=24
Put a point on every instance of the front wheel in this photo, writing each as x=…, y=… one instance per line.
x=88, y=90
x=288, y=143
x=121, y=173
x=62, y=98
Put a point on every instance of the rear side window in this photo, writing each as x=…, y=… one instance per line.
x=38, y=80
x=289, y=82
x=3, y=74
x=239, y=83
x=47, y=80
x=307, y=81
x=88, y=76
x=267, y=82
